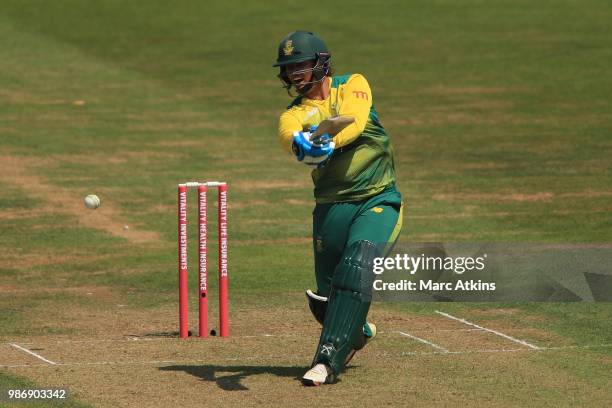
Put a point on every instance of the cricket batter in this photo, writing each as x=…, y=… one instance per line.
x=358, y=213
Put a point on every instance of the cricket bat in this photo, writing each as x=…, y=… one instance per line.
x=332, y=126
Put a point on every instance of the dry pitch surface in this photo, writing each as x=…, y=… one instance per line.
x=427, y=360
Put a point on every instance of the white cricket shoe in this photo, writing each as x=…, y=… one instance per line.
x=317, y=375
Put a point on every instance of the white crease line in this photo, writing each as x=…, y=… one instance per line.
x=32, y=353
x=152, y=362
x=523, y=342
x=430, y=331
x=576, y=347
x=275, y=357
x=429, y=353
x=160, y=339
x=429, y=343
x=444, y=330
x=181, y=341
x=540, y=349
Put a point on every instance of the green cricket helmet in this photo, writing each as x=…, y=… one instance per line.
x=300, y=46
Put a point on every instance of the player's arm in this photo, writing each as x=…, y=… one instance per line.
x=288, y=124
x=356, y=102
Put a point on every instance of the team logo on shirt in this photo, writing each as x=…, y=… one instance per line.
x=288, y=50
x=361, y=94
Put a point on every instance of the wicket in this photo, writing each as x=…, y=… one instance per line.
x=203, y=258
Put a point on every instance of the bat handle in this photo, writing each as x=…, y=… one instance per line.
x=321, y=139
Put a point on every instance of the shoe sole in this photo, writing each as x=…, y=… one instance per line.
x=331, y=379
x=310, y=383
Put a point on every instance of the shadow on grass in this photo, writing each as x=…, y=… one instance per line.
x=229, y=377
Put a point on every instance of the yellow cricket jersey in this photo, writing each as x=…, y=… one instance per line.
x=362, y=163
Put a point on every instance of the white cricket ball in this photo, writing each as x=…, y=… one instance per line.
x=92, y=201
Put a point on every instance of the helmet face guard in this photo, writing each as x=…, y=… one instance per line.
x=319, y=72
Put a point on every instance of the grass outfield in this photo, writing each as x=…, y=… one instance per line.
x=499, y=114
